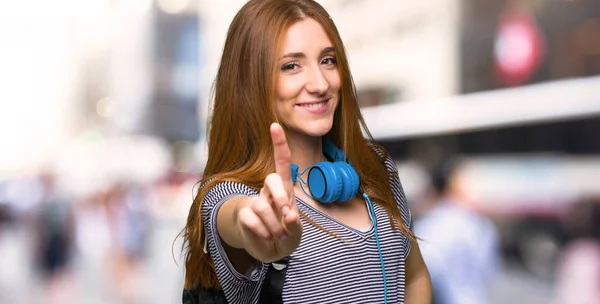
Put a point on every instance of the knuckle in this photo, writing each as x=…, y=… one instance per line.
x=283, y=160
x=280, y=198
x=252, y=201
x=261, y=207
x=253, y=226
x=245, y=220
x=245, y=214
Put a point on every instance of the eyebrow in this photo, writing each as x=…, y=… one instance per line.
x=302, y=55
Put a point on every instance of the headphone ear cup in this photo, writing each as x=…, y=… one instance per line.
x=325, y=182
x=350, y=181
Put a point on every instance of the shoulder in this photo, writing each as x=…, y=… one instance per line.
x=378, y=149
x=217, y=191
x=216, y=186
x=384, y=158
x=393, y=177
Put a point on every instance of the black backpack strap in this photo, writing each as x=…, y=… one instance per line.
x=272, y=288
x=201, y=295
x=190, y=296
x=270, y=292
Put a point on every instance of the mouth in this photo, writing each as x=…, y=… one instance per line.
x=315, y=104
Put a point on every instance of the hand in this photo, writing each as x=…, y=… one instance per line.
x=269, y=223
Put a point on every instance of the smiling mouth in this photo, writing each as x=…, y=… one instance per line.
x=314, y=105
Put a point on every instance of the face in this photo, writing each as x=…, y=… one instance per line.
x=308, y=83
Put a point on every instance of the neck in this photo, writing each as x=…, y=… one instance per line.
x=306, y=151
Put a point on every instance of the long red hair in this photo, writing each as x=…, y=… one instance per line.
x=239, y=143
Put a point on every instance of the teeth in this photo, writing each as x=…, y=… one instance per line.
x=314, y=105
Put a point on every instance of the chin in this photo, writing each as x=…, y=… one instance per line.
x=313, y=129
x=317, y=129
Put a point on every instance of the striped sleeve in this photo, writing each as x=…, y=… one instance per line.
x=238, y=288
x=400, y=197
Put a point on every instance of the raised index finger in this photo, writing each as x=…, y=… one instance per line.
x=283, y=156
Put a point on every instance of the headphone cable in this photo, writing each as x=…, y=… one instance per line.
x=372, y=212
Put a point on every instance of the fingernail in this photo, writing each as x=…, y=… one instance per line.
x=285, y=210
x=284, y=236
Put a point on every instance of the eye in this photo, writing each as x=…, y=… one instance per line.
x=290, y=66
x=329, y=60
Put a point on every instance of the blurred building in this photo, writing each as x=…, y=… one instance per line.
x=525, y=118
x=402, y=51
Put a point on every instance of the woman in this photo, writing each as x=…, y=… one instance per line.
x=284, y=62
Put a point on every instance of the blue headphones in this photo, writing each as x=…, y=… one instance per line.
x=335, y=181
x=330, y=181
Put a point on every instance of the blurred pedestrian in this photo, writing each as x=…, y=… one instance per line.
x=54, y=227
x=578, y=274
x=459, y=246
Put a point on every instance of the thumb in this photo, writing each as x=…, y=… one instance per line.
x=292, y=223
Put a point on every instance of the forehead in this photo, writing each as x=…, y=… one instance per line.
x=305, y=36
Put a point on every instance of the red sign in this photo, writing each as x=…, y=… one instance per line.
x=518, y=49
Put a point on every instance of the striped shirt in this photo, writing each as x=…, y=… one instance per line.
x=323, y=269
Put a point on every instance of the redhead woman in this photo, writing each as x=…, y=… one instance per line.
x=297, y=203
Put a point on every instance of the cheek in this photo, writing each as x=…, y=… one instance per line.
x=336, y=86
x=336, y=82
x=288, y=88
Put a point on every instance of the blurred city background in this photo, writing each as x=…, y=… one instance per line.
x=491, y=109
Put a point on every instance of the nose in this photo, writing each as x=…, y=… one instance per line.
x=316, y=82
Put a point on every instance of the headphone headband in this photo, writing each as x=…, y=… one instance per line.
x=333, y=152
x=330, y=150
